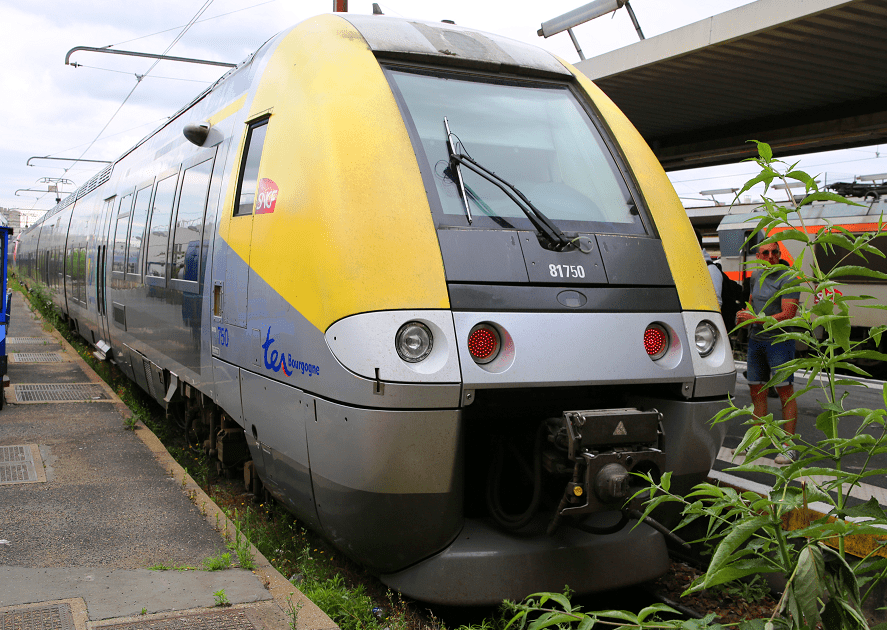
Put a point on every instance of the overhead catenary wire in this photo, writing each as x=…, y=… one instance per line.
x=214, y=17
x=139, y=78
x=80, y=65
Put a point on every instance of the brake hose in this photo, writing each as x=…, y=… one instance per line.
x=494, y=479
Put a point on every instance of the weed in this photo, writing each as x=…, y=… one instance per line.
x=754, y=590
x=144, y=611
x=293, y=610
x=221, y=598
x=130, y=422
x=349, y=608
x=217, y=563
x=242, y=547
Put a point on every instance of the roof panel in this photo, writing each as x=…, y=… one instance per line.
x=804, y=76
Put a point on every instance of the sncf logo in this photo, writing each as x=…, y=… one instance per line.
x=266, y=196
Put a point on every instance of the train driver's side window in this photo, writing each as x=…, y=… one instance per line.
x=245, y=197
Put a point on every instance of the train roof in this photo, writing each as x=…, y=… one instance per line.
x=452, y=44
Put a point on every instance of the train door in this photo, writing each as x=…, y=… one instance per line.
x=240, y=228
x=113, y=320
x=230, y=339
x=68, y=262
x=99, y=274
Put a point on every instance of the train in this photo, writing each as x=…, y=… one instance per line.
x=866, y=215
x=428, y=287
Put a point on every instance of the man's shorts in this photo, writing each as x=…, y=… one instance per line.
x=764, y=356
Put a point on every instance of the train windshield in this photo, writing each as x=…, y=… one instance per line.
x=538, y=137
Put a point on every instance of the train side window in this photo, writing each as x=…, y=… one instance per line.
x=137, y=231
x=118, y=259
x=185, y=246
x=245, y=197
x=158, y=233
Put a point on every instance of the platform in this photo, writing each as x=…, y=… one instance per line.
x=87, y=506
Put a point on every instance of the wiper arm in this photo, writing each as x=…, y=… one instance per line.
x=541, y=222
x=454, y=166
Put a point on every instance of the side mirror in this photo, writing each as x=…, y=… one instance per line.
x=197, y=133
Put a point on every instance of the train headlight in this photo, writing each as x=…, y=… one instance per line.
x=656, y=341
x=484, y=343
x=706, y=337
x=414, y=342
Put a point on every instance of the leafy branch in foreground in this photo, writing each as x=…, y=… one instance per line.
x=825, y=586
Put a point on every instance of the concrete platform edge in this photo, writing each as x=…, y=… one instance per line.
x=284, y=594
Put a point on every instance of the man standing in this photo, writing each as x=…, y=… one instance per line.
x=765, y=354
x=714, y=271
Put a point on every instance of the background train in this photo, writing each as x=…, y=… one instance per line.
x=428, y=286
x=734, y=230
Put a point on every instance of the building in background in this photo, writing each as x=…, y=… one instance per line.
x=19, y=219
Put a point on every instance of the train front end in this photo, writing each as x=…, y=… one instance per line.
x=515, y=307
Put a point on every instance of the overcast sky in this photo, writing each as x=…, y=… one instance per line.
x=50, y=109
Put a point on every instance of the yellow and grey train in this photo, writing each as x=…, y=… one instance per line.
x=428, y=286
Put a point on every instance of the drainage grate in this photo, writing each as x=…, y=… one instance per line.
x=18, y=340
x=68, y=392
x=35, y=357
x=231, y=620
x=21, y=463
x=55, y=617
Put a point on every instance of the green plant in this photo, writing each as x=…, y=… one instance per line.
x=349, y=608
x=144, y=611
x=217, y=563
x=163, y=567
x=754, y=589
x=292, y=611
x=241, y=546
x=825, y=586
x=221, y=598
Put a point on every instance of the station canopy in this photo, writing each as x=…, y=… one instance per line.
x=803, y=76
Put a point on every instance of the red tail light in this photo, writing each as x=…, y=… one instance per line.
x=484, y=343
x=655, y=341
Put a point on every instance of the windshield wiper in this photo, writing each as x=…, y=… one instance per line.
x=541, y=222
x=454, y=166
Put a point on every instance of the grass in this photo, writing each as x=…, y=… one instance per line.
x=218, y=562
x=164, y=567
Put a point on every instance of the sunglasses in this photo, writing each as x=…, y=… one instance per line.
x=769, y=252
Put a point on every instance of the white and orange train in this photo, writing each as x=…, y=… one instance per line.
x=734, y=230
x=428, y=286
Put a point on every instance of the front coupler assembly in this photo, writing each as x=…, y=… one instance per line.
x=604, y=446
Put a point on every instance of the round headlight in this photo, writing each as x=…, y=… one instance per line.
x=413, y=342
x=706, y=337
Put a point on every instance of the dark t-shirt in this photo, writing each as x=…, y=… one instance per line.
x=760, y=293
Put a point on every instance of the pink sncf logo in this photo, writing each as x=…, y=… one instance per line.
x=266, y=196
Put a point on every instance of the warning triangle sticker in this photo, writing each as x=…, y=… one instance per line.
x=620, y=429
